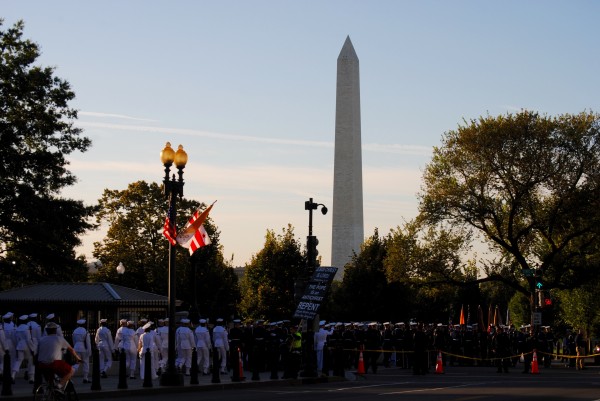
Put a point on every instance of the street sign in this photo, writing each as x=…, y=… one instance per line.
x=315, y=292
x=537, y=318
x=527, y=272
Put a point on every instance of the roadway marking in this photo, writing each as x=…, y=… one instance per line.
x=431, y=389
x=369, y=386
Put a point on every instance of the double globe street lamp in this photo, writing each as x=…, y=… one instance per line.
x=172, y=188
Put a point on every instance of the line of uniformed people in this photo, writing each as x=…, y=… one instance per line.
x=407, y=345
x=20, y=341
x=257, y=346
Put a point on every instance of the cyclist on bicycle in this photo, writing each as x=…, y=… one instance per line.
x=50, y=356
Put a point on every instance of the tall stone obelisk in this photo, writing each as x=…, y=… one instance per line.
x=348, y=228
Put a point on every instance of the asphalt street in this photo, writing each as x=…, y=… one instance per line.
x=455, y=384
x=459, y=383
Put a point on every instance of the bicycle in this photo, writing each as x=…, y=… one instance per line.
x=48, y=391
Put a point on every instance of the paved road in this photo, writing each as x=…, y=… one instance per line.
x=456, y=384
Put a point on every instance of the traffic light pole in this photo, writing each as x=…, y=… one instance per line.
x=310, y=368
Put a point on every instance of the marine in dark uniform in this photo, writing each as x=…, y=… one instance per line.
x=387, y=336
x=236, y=343
x=501, y=347
x=372, y=346
x=259, y=343
x=349, y=345
x=420, y=350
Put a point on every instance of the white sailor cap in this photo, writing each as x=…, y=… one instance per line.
x=220, y=320
x=185, y=321
x=236, y=321
x=202, y=321
x=322, y=323
x=143, y=320
x=51, y=325
x=33, y=315
x=123, y=321
x=130, y=322
x=373, y=324
x=386, y=323
x=103, y=320
x=81, y=321
x=338, y=324
x=23, y=317
x=50, y=316
x=8, y=315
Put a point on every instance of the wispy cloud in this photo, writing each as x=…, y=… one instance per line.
x=399, y=149
x=370, y=147
x=111, y=115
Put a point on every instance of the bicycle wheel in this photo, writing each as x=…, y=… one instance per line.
x=70, y=393
x=44, y=393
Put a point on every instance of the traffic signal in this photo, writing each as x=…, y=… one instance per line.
x=311, y=250
x=547, y=300
x=538, y=279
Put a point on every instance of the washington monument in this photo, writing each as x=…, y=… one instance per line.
x=348, y=227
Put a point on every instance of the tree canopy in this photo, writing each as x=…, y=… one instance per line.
x=135, y=218
x=529, y=184
x=38, y=229
x=268, y=283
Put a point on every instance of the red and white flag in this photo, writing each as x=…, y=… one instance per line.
x=194, y=236
x=169, y=230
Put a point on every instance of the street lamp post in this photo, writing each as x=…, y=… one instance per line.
x=120, y=269
x=172, y=189
x=310, y=368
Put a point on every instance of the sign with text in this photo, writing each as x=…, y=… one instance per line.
x=315, y=292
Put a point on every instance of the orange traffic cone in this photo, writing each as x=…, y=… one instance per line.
x=361, y=364
x=534, y=364
x=439, y=366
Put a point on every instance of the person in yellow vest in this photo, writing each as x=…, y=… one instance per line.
x=294, y=356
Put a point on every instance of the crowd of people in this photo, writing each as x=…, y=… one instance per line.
x=260, y=346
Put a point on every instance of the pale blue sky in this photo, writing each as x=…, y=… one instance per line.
x=248, y=87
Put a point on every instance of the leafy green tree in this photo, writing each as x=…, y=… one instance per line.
x=211, y=285
x=206, y=283
x=426, y=262
x=39, y=230
x=529, y=184
x=135, y=218
x=580, y=308
x=268, y=283
x=364, y=293
x=520, y=313
x=425, y=254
